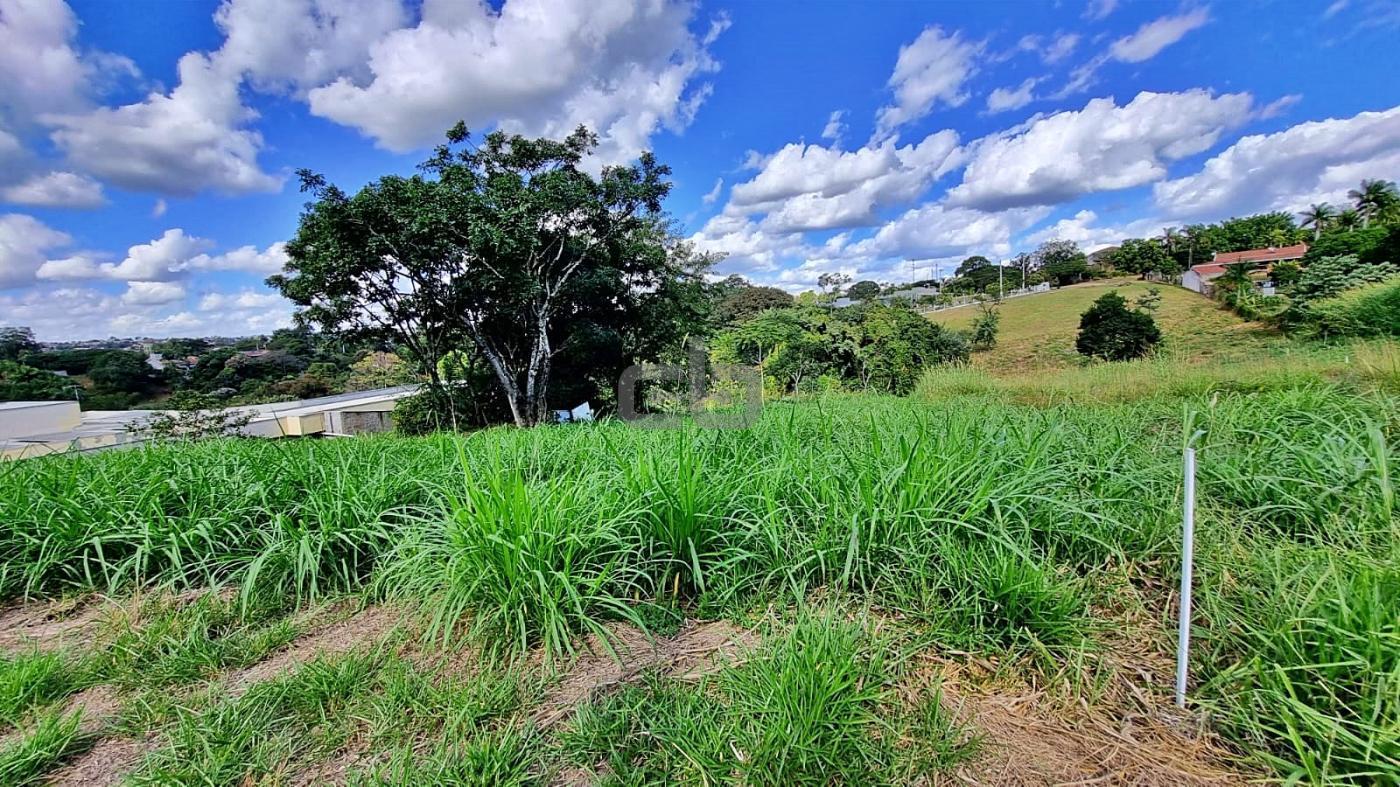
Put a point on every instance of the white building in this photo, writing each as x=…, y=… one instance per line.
x=29, y=429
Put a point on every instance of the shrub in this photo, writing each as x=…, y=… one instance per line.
x=1112, y=331
x=984, y=327
x=1368, y=311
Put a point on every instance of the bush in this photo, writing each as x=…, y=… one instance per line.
x=984, y=327
x=1112, y=331
x=1367, y=311
x=450, y=407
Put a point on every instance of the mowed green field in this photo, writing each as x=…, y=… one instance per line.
x=1037, y=331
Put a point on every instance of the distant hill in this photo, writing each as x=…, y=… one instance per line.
x=1037, y=331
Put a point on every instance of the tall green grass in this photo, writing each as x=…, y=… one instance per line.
x=962, y=508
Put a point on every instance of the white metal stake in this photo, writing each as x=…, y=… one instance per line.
x=1188, y=546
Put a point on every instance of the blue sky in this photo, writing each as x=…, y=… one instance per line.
x=146, y=148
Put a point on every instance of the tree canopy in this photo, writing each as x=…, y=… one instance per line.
x=509, y=247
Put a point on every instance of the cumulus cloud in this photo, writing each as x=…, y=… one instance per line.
x=932, y=68
x=747, y=247
x=159, y=260
x=1085, y=229
x=807, y=187
x=55, y=190
x=1311, y=162
x=183, y=142
x=196, y=137
x=1006, y=99
x=1102, y=147
x=939, y=230
x=25, y=243
x=74, y=268
x=152, y=293
x=245, y=258
x=538, y=67
x=40, y=69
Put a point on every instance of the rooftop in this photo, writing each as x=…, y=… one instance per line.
x=1271, y=254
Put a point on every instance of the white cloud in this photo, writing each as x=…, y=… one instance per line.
x=1311, y=162
x=747, y=246
x=76, y=267
x=712, y=195
x=1006, y=99
x=196, y=137
x=243, y=299
x=1083, y=229
x=301, y=44
x=245, y=258
x=56, y=190
x=1336, y=7
x=933, y=68
x=159, y=260
x=24, y=246
x=1102, y=147
x=939, y=230
x=158, y=209
x=1061, y=48
x=179, y=143
x=1145, y=44
x=1279, y=106
x=1099, y=9
x=1154, y=36
x=152, y=293
x=806, y=187
x=40, y=71
x=835, y=127
x=537, y=67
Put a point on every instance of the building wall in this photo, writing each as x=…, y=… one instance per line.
x=366, y=422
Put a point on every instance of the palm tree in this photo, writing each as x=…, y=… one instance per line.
x=1318, y=217
x=1347, y=220
x=1169, y=238
x=1374, y=198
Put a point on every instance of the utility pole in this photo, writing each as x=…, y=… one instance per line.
x=1001, y=266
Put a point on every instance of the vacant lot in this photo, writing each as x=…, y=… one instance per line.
x=976, y=583
x=1037, y=331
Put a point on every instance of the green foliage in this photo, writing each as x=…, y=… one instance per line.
x=24, y=760
x=517, y=251
x=899, y=344
x=863, y=291
x=745, y=302
x=29, y=680
x=17, y=342
x=983, y=335
x=1061, y=261
x=191, y=416
x=124, y=371
x=1140, y=256
x=1113, y=332
x=978, y=522
x=1359, y=243
x=20, y=383
x=871, y=346
x=1330, y=276
x=1368, y=310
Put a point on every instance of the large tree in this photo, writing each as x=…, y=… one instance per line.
x=1062, y=261
x=496, y=246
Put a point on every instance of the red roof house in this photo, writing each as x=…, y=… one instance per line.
x=1200, y=276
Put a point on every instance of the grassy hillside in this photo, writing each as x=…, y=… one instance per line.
x=1037, y=331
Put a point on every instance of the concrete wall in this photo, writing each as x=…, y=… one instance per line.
x=22, y=419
